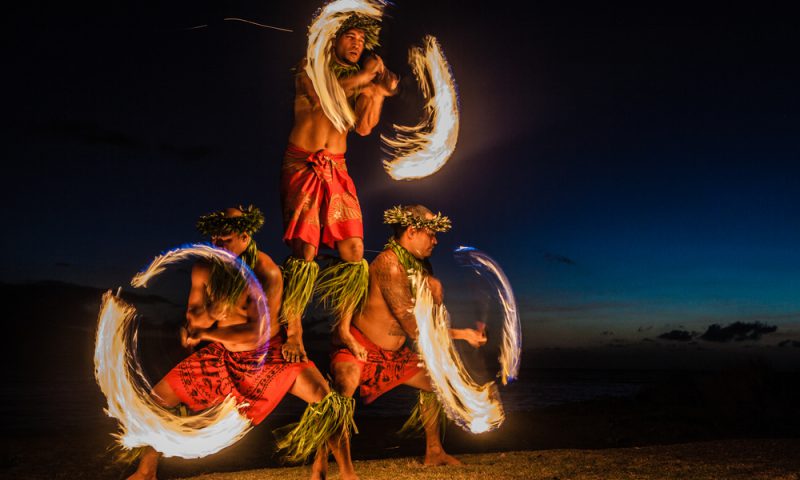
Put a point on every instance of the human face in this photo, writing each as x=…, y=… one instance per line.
x=423, y=240
x=236, y=243
x=349, y=46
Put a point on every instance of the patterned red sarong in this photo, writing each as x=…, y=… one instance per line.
x=383, y=370
x=259, y=377
x=318, y=194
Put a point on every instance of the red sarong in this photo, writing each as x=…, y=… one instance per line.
x=259, y=377
x=317, y=195
x=383, y=370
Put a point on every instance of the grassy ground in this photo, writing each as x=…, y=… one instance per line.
x=731, y=459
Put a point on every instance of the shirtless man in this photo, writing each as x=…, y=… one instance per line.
x=318, y=196
x=222, y=311
x=387, y=321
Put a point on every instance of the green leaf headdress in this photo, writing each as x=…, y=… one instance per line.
x=217, y=223
x=370, y=26
x=403, y=216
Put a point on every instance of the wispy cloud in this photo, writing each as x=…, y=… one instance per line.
x=738, y=331
x=555, y=258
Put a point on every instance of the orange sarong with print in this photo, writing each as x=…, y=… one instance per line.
x=318, y=198
x=259, y=378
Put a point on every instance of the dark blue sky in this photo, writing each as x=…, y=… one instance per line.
x=634, y=171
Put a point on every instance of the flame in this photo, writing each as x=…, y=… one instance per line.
x=511, y=348
x=143, y=421
x=474, y=407
x=423, y=149
x=318, y=57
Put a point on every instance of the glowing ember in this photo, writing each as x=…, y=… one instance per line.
x=510, y=350
x=423, y=149
x=143, y=421
x=474, y=407
x=322, y=31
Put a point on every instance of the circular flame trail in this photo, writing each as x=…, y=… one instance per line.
x=423, y=149
x=318, y=57
x=511, y=348
x=142, y=421
x=474, y=407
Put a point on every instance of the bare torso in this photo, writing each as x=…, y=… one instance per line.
x=244, y=314
x=312, y=131
x=377, y=321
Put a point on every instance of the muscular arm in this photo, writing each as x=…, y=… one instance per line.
x=197, y=314
x=396, y=291
x=204, y=324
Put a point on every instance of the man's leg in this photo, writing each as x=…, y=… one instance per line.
x=299, y=275
x=344, y=286
x=311, y=387
x=148, y=463
x=434, y=452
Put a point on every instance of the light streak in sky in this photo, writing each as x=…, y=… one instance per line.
x=511, y=348
x=321, y=33
x=474, y=407
x=142, y=420
x=423, y=149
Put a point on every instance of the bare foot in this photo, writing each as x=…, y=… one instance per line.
x=440, y=458
x=293, y=350
x=319, y=470
x=148, y=465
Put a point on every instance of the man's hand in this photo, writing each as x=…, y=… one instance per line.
x=352, y=344
x=373, y=66
x=293, y=350
x=386, y=83
x=476, y=338
x=190, y=337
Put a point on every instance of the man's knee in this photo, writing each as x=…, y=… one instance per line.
x=351, y=249
x=301, y=249
x=346, y=377
x=310, y=386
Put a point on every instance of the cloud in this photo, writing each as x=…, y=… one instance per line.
x=677, y=335
x=607, y=333
x=738, y=331
x=555, y=258
x=644, y=329
x=789, y=343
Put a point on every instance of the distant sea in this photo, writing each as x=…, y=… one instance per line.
x=69, y=402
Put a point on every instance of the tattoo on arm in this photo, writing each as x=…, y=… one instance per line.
x=396, y=290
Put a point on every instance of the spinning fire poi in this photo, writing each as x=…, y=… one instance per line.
x=241, y=368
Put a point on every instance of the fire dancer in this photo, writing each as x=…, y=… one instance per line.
x=318, y=196
x=387, y=322
x=244, y=357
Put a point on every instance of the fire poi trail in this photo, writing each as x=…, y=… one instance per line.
x=511, y=346
x=323, y=29
x=423, y=149
x=476, y=408
x=142, y=421
x=415, y=151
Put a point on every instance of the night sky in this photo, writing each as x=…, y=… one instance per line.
x=634, y=171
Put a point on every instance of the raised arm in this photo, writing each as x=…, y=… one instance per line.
x=370, y=102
